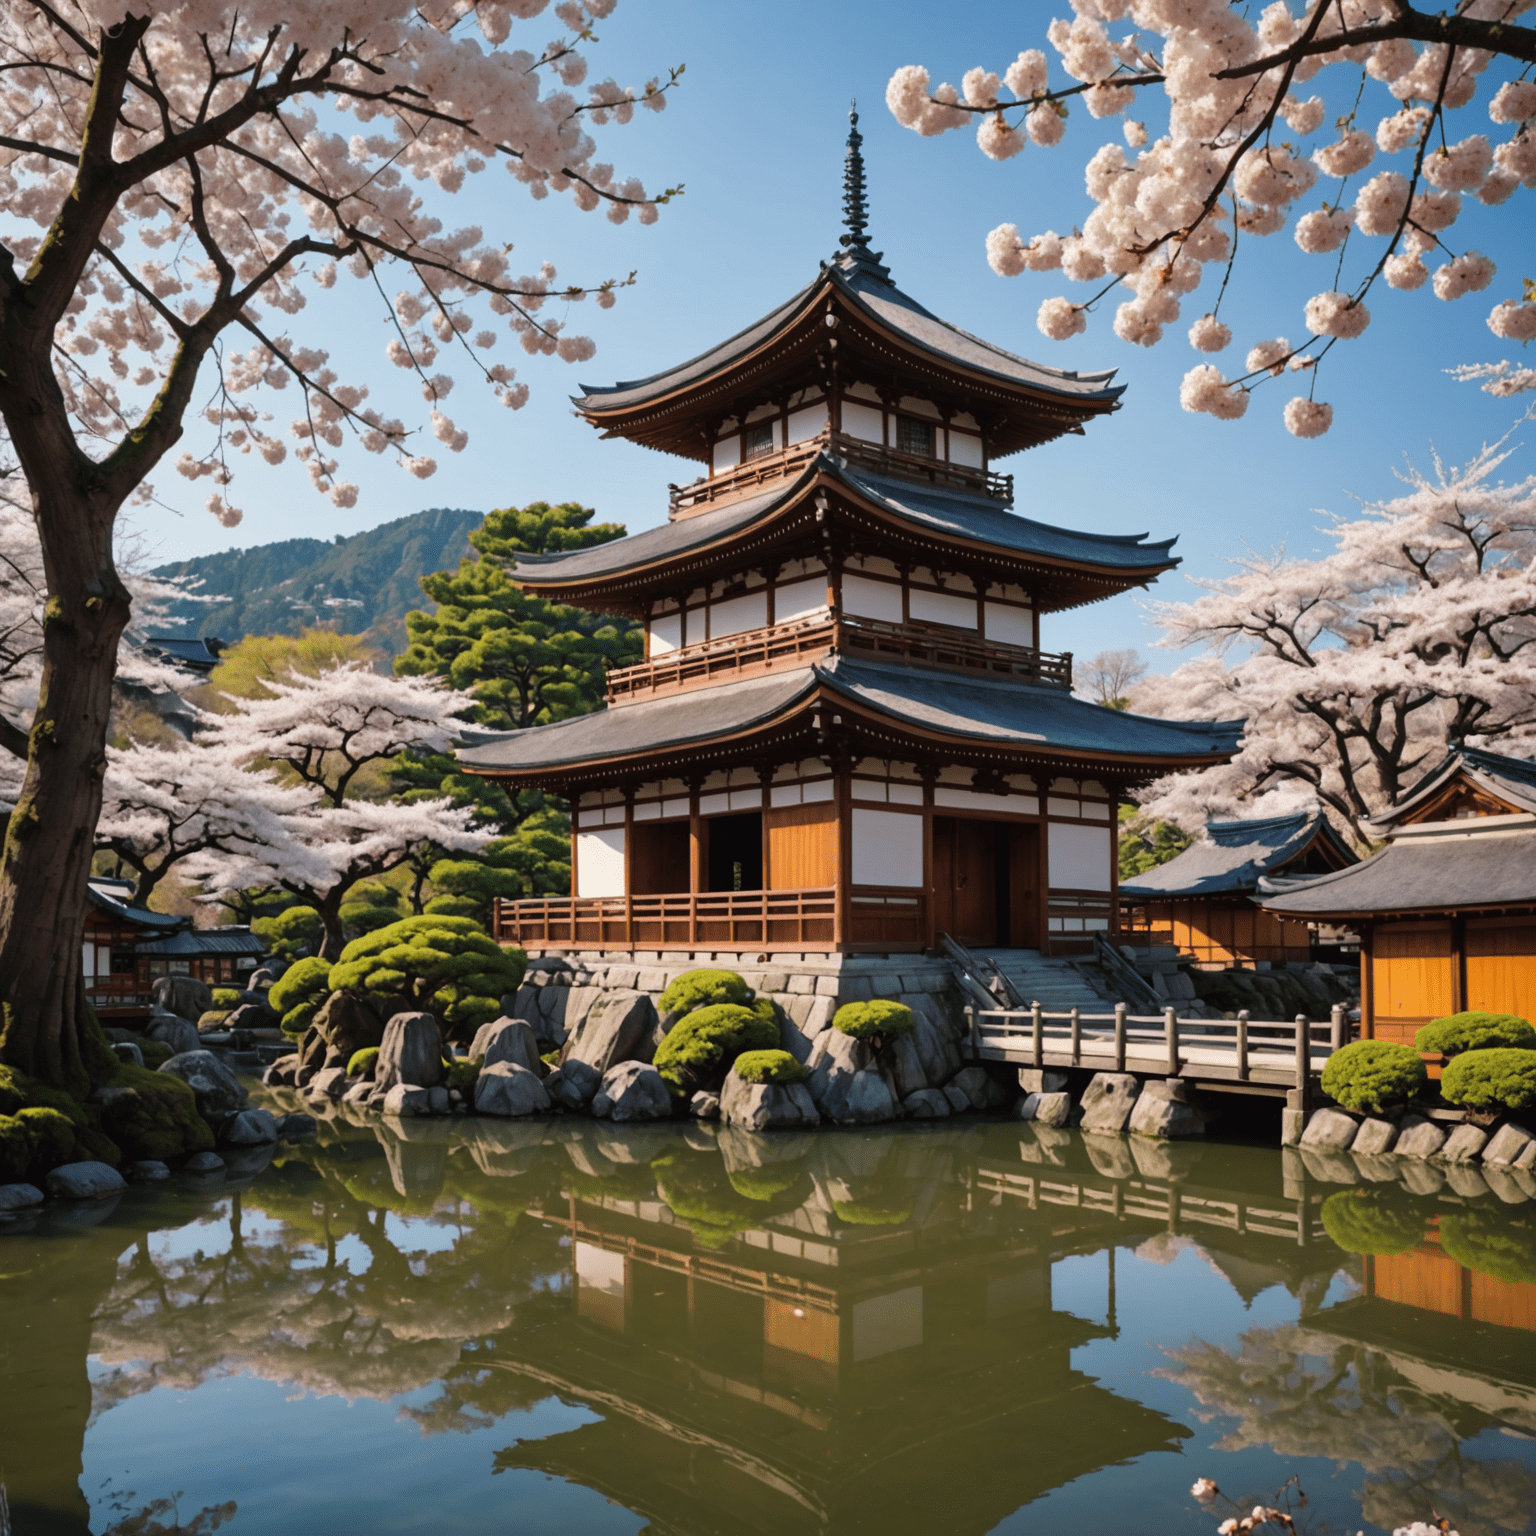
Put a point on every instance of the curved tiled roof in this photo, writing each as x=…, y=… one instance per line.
x=1507, y=778
x=957, y=514
x=1233, y=856
x=1000, y=711
x=886, y=305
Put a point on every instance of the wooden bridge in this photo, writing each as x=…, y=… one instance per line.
x=1242, y=1055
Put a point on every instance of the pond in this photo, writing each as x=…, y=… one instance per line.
x=547, y=1327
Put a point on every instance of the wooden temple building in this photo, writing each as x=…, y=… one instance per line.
x=845, y=735
x=1204, y=901
x=1447, y=910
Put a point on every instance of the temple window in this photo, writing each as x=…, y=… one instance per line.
x=915, y=437
x=757, y=439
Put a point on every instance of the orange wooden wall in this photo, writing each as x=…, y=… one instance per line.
x=1226, y=930
x=802, y=846
x=1501, y=965
x=1423, y=970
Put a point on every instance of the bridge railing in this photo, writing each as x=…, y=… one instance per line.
x=1244, y=1050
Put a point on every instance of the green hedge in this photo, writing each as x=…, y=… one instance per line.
x=701, y=988
x=769, y=1067
x=297, y=995
x=226, y=998
x=1491, y=1080
x=699, y=1051
x=1475, y=1032
x=1372, y=1074
x=881, y=1017
x=1377, y=1221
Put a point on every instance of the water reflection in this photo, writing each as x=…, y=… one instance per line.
x=828, y=1333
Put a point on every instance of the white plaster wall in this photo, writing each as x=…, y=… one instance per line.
x=666, y=633
x=863, y=421
x=727, y=453
x=942, y=608
x=887, y=848
x=807, y=422
x=872, y=599
x=749, y=611
x=1013, y=626
x=599, y=1269
x=798, y=599
x=1079, y=858
x=884, y=1324
x=600, y=862
x=965, y=450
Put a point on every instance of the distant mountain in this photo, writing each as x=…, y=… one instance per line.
x=363, y=584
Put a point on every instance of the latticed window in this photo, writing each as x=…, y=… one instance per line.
x=914, y=436
x=759, y=440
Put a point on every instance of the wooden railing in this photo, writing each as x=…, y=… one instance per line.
x=1242, y=1050
x=878, y=918
x=118, y=991
x=698, y=495
x=756, y=651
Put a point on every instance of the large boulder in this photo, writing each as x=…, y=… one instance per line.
x=513, y=1040
x=978, y=1088
x=347, y=1025
x=766, y=1106
x=573, y=1084
x=845, y=1083
x=170, y=1029
x=1107, y=1101
x=926, y=1104
x=216, y=1088
x=250, y=1016
x=85, y=1181
x=1045, y=1108
x=19, y=1197
x=328, y=1083
x=411, y=1051
x=250, y=1128
x=1417, y=1137
x=1507, y=1145
x=185, y=996
x=510, y=1089
x=1163, y=1111
x=632, y=1090
x=1373, y=1138
x=1330, y=1130
x=621, y=1026
x=406, y=1099
x=1464, y=1143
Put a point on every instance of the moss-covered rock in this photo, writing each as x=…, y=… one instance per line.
x=152, y=1115
x=702, y=988
x=155, y=1052
x=298, y=994
x=32, y=1141
x=880, y=1017
x=462, y=1071
x=1491, y=1080
x=1371, y=1075
x=1474, y=1031
x=1377, y=1221
x=363, y=1062
x=769, y=1067
x=699, y=1051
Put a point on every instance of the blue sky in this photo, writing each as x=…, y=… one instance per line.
x=756, y=135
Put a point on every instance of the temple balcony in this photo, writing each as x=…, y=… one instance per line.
x=781, y=647
x=855, y=452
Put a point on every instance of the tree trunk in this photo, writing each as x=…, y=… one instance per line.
x=333, y=936
x=48, y=844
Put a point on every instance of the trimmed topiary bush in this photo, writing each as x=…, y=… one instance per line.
x=881, y=1017
x=1369, y=1075
x=1491, y=1080
x=1375, y=1220
x=701, y=988
x=699, y=1051
x=1492, y=1240
x=1475, y=1032
x=363, y=1062
x=296, y=996
x=226, y=998
x=769, y=1067
x=447, y=966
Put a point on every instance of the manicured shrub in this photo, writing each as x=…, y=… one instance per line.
x=1475, y=1032
x=699, y=1051
x=1491, y=1080
x=297, y=995
x=226, y=998
x=1369, y=1075
x=1374, y=1220
x=881, y=1017
x=447, y=966
x=769, y=1067
x=1493, y=1240
x=291, y=933
x=363, y=1062
x=699, y=989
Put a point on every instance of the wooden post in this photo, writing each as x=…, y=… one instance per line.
x=973, y=1031
x=1171, y=1035
x=1037, y=1032
x=1303, y=1053
x=1077, y=1035
x=1120, y=1012
x=1242, y=1046
x=1336, y=1024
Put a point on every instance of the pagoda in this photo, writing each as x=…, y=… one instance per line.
x=844, y=736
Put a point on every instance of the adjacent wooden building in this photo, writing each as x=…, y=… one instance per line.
x=845, y=734
x=1204, y=900
x=1447, y=910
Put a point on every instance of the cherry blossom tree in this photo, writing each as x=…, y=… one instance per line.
x=1228, y=162
x=177, y=183
x=1355, y=670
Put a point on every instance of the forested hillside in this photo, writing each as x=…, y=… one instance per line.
x=363, y=585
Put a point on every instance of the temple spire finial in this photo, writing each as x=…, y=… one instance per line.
x=855, y=201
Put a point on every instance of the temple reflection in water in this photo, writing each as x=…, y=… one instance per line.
x=824, y=1333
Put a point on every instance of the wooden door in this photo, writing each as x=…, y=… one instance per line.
x=965, y=879
x=1413, y=976
x=1026, y=914
x=658, y=858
